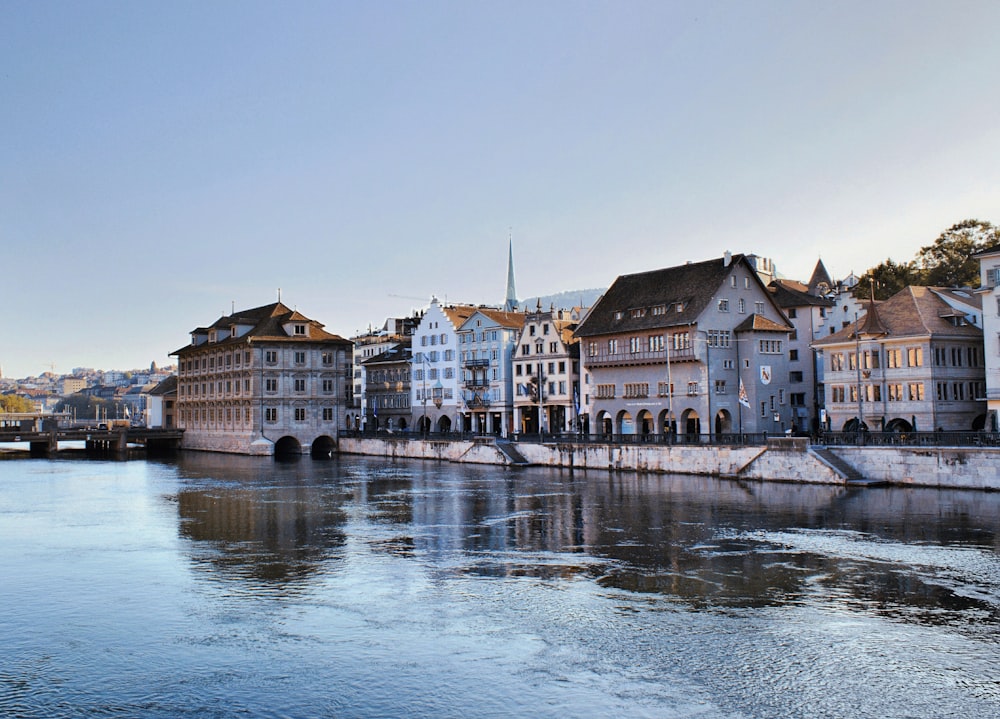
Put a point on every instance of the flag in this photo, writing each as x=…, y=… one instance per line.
x=744, y=399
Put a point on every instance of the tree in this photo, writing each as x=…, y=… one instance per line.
x=889, y=278
x=14, y=403
x=84, y=406
x=949, y=261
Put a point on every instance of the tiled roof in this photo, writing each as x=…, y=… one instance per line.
x=457, y=314
x=789, y=293
x=684, y=291
x=819, y=276
x=911, y=312
x=267, y=323
x=760, y=323
x=166, y=386
x=512, y=320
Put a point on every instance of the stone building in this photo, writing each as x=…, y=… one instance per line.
x=267, y=380
x=386, y=382
x=486, y=341
x=434, y=386
x=547, y=374
x=911, y=363
x=688, y=350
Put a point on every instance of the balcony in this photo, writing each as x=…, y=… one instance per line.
x=476, y=363
x=605, y=359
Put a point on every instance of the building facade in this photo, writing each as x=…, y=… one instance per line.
x=696, y=349
x=989, y=294
x=263, y=381
x=909, y=363
x=546, y=368
x=486, y=342
x=434, y=384
x=386, y=383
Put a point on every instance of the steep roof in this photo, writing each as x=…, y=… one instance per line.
x=685, y=291
x=760, y=323
x=457, y=314
x=165, y=387
x=790, y=293
x=912, y=312
x=819, y=277
x=511, y=320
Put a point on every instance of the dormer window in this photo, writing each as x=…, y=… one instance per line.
x=232, y=331
x=300, y=330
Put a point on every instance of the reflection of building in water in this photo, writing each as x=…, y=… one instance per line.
x=274, y=534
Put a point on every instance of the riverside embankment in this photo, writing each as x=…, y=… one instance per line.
x=782, y=460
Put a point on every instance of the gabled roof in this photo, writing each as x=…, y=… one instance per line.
x=399, y=353
x=912, y=312
x=165, y=387
x=684, y=292
x=789, y=293
x=510, y=320
x=457, y=314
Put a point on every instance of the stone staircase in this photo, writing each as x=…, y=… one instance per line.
x=508, y=450
x=851, y=476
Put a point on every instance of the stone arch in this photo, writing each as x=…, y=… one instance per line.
x=604, y=423
x=979, y=423
x=323, y=447
x=666, y=422
x=287, y=447
x=852, y=425
x=444, y=424
x=898, y=425
x=424, y=424
x=723, y=422
x=644, y=423
x=624, y=424
x=690, y=422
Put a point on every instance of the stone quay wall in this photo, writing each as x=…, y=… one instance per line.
x=782, y=460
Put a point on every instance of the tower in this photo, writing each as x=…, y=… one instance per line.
x=510, y=302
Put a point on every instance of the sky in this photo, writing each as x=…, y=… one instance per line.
x=163, y=163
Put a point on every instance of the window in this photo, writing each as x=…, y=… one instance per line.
x=271, y=384
x=271, y=414
x=525, y=349
x=894, y=392
x=795, y=376
x=770, y=347
x=837, y=393
x=656, y=343
x=300, y=385
x=893, y=359
x=613, y=346
x=605, y=391
x=300, y=330
x=719, y=338
x=915, y=391
x=723, y=305
x=664, y=390
x=741, y=306
x=271, y=356
x=692, y=389
x=300, y=358
x=328, y=414
x=728, y=364
x=300, y=414
x=792, y=313
x=720, y=386
x=327, y=386
x=634, y=344
x=758, y=307
x=636, y=389
x=793, y=355
x=915, y=357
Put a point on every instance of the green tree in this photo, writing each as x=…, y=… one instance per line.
x=949, y=261
x=889, y=278
x=14, y=403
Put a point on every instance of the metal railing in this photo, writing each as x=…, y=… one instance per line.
x=909, y=439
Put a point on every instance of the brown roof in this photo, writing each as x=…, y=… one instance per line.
x=760, y=323
x=267, y=324
x=457, y=314
x=790, y=293
x=689, y=287
x=912, y=312
x=513, y=320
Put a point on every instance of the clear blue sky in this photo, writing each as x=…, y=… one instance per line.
x=161, y=161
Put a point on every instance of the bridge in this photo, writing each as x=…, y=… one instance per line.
x=111, y=441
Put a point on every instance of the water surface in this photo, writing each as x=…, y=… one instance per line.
x=218, y=586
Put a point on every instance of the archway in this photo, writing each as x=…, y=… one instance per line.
x=899, y=425
x=402, y=424
x=852, y=425
x=287, y=447
x=667, y=422
x=605, y=423
x=424, y=424
x=979, y=423
x=644, y=423
x=723, y=422
x=691, y=422
x=624, y=422
x=322, y=447
x=444, y=424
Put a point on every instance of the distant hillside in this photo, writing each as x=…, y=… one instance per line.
x=563, y=300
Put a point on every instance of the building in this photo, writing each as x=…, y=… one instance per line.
x=989, y=295
x=161, y=403
x=689, y=350
x=386, y=389
x=268, y=380
x=71, y=385
x=547, y=374
x=434, y=386
x=807, y=310
x=394, y=332
x=910, y=363
x=486, y=342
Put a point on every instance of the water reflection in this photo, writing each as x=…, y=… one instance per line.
x=703, y=542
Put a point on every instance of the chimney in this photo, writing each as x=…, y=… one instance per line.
x=727, y=258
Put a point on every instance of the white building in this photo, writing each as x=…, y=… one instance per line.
x=434, y=385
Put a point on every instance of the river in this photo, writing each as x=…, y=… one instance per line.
x=228, y=586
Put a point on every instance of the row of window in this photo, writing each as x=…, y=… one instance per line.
x=434, y=356
x=741, y=306
x=554, y=348
x=555, y=389
x=553, y=368
x=656, y=311
x=391, y=376
x=871, y=359
x=433, y=339
x=234, y=416
x=912, y=392
x=433, y=373
x=397, y=400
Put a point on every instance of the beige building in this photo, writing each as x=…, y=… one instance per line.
x=546, y=368
x=268, y=380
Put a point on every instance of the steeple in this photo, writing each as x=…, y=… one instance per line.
x=510, y=303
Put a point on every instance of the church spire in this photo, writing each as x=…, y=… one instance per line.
x=510, y=303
